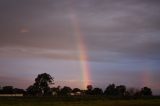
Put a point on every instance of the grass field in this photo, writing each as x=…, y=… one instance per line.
x=67, y=101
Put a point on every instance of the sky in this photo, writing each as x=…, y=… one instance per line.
x=113, y=41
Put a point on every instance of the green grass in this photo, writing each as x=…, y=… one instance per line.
x=72, y=101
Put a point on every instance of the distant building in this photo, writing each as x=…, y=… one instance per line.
x=76, y=94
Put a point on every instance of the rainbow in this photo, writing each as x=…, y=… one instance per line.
x=146, y=76
x=82, y=51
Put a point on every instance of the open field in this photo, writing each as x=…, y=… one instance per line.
x=67, y=101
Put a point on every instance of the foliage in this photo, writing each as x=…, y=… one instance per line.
x=11, y=90
x=146, y=91
x=41, y=85
x=55, y=90
x=120, y=90
x=8, y=90
x=65, y=91
x=97, y=91
x=75, y=90
x=89, y=90
x=110, y=90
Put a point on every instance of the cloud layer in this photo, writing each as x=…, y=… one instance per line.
x=118, y=34
x=126, y=26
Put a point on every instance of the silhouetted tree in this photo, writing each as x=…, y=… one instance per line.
x=146, y=91
x=110, y=90
x=65, y=91
x=19, y=91
x=7, y=90
x=97, y=91
x=89, y=90
x=132, y=92
x=11, y=90
x=75, y=90
x=120, y=90
x=55, y=90
x=0, y=90
x=33, y=91
x=89, y=87
x=41, y=85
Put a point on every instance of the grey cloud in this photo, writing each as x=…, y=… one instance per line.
x=38, y=52
x=140, y=46
x=129, y=27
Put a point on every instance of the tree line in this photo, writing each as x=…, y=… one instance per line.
x=41, y=87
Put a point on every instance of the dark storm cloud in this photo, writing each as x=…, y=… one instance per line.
x=129, y=27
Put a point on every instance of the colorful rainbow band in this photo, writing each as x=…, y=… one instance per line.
x=82, y=51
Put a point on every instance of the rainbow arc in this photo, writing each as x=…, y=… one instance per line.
x=83, y=57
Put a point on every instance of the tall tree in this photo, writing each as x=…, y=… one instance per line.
x=41, y=85
x=43, y=81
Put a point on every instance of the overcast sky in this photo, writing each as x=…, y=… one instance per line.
x=122, y=38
